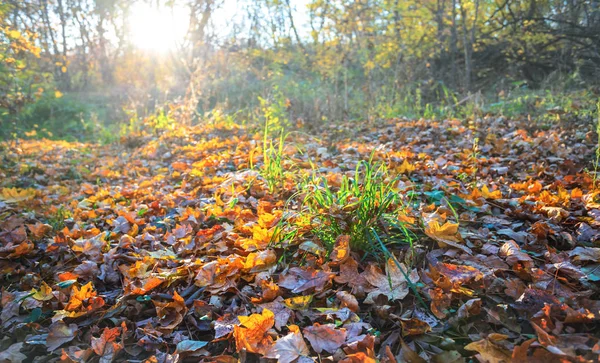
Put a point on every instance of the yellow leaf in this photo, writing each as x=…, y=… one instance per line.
x=63, y=69
x=496, y=194
x=44, y=293
x=406, y=167
x=57, y=93
x=298, y=302
x=14, y=34
x=446, y=234
x=15, y=195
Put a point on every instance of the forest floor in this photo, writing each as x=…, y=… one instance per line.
x=405, y=241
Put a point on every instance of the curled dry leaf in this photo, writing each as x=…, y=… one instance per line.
x=341, y=250
x=170, y=314
x=348, y=300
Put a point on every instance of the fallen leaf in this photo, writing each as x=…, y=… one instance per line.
x=60, y=333
x=392, y=284
x=299, y=280
x=252, y=335
x=325, y=337
x=490, y=351
x=289, y=348
x=446, y=234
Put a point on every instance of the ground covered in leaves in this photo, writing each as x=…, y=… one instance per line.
x=185, y=247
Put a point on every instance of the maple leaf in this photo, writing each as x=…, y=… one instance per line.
x=487, y=194
x=392, y=284
x=252, y=335
x=289, y=348
x=406, y=167
x=258, y=261
x=325, y=337
x=60, y=333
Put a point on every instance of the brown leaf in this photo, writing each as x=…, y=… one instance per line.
x=299, y=280
x=341, y=250
x=446, y=234
x=60, y=333
x=349, y=275
x=585, y=254
x=414, y=326
x=325, y=337
x=490, y=351
x=171, y=313
x=106, y=346
x=408, y=355
x=348, y=300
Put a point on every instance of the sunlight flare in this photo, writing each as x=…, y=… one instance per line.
x=157, y=28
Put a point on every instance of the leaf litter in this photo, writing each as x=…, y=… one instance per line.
x=179, y=249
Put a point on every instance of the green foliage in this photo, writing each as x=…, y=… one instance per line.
x=275, y=120
x=358, y=206
x=64, y=117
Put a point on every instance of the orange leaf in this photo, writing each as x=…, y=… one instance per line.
x=78, y=296
x=252, y=335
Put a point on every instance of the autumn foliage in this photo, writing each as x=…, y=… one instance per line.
x=177, y=248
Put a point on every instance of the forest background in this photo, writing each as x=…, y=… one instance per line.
x=96, y=70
